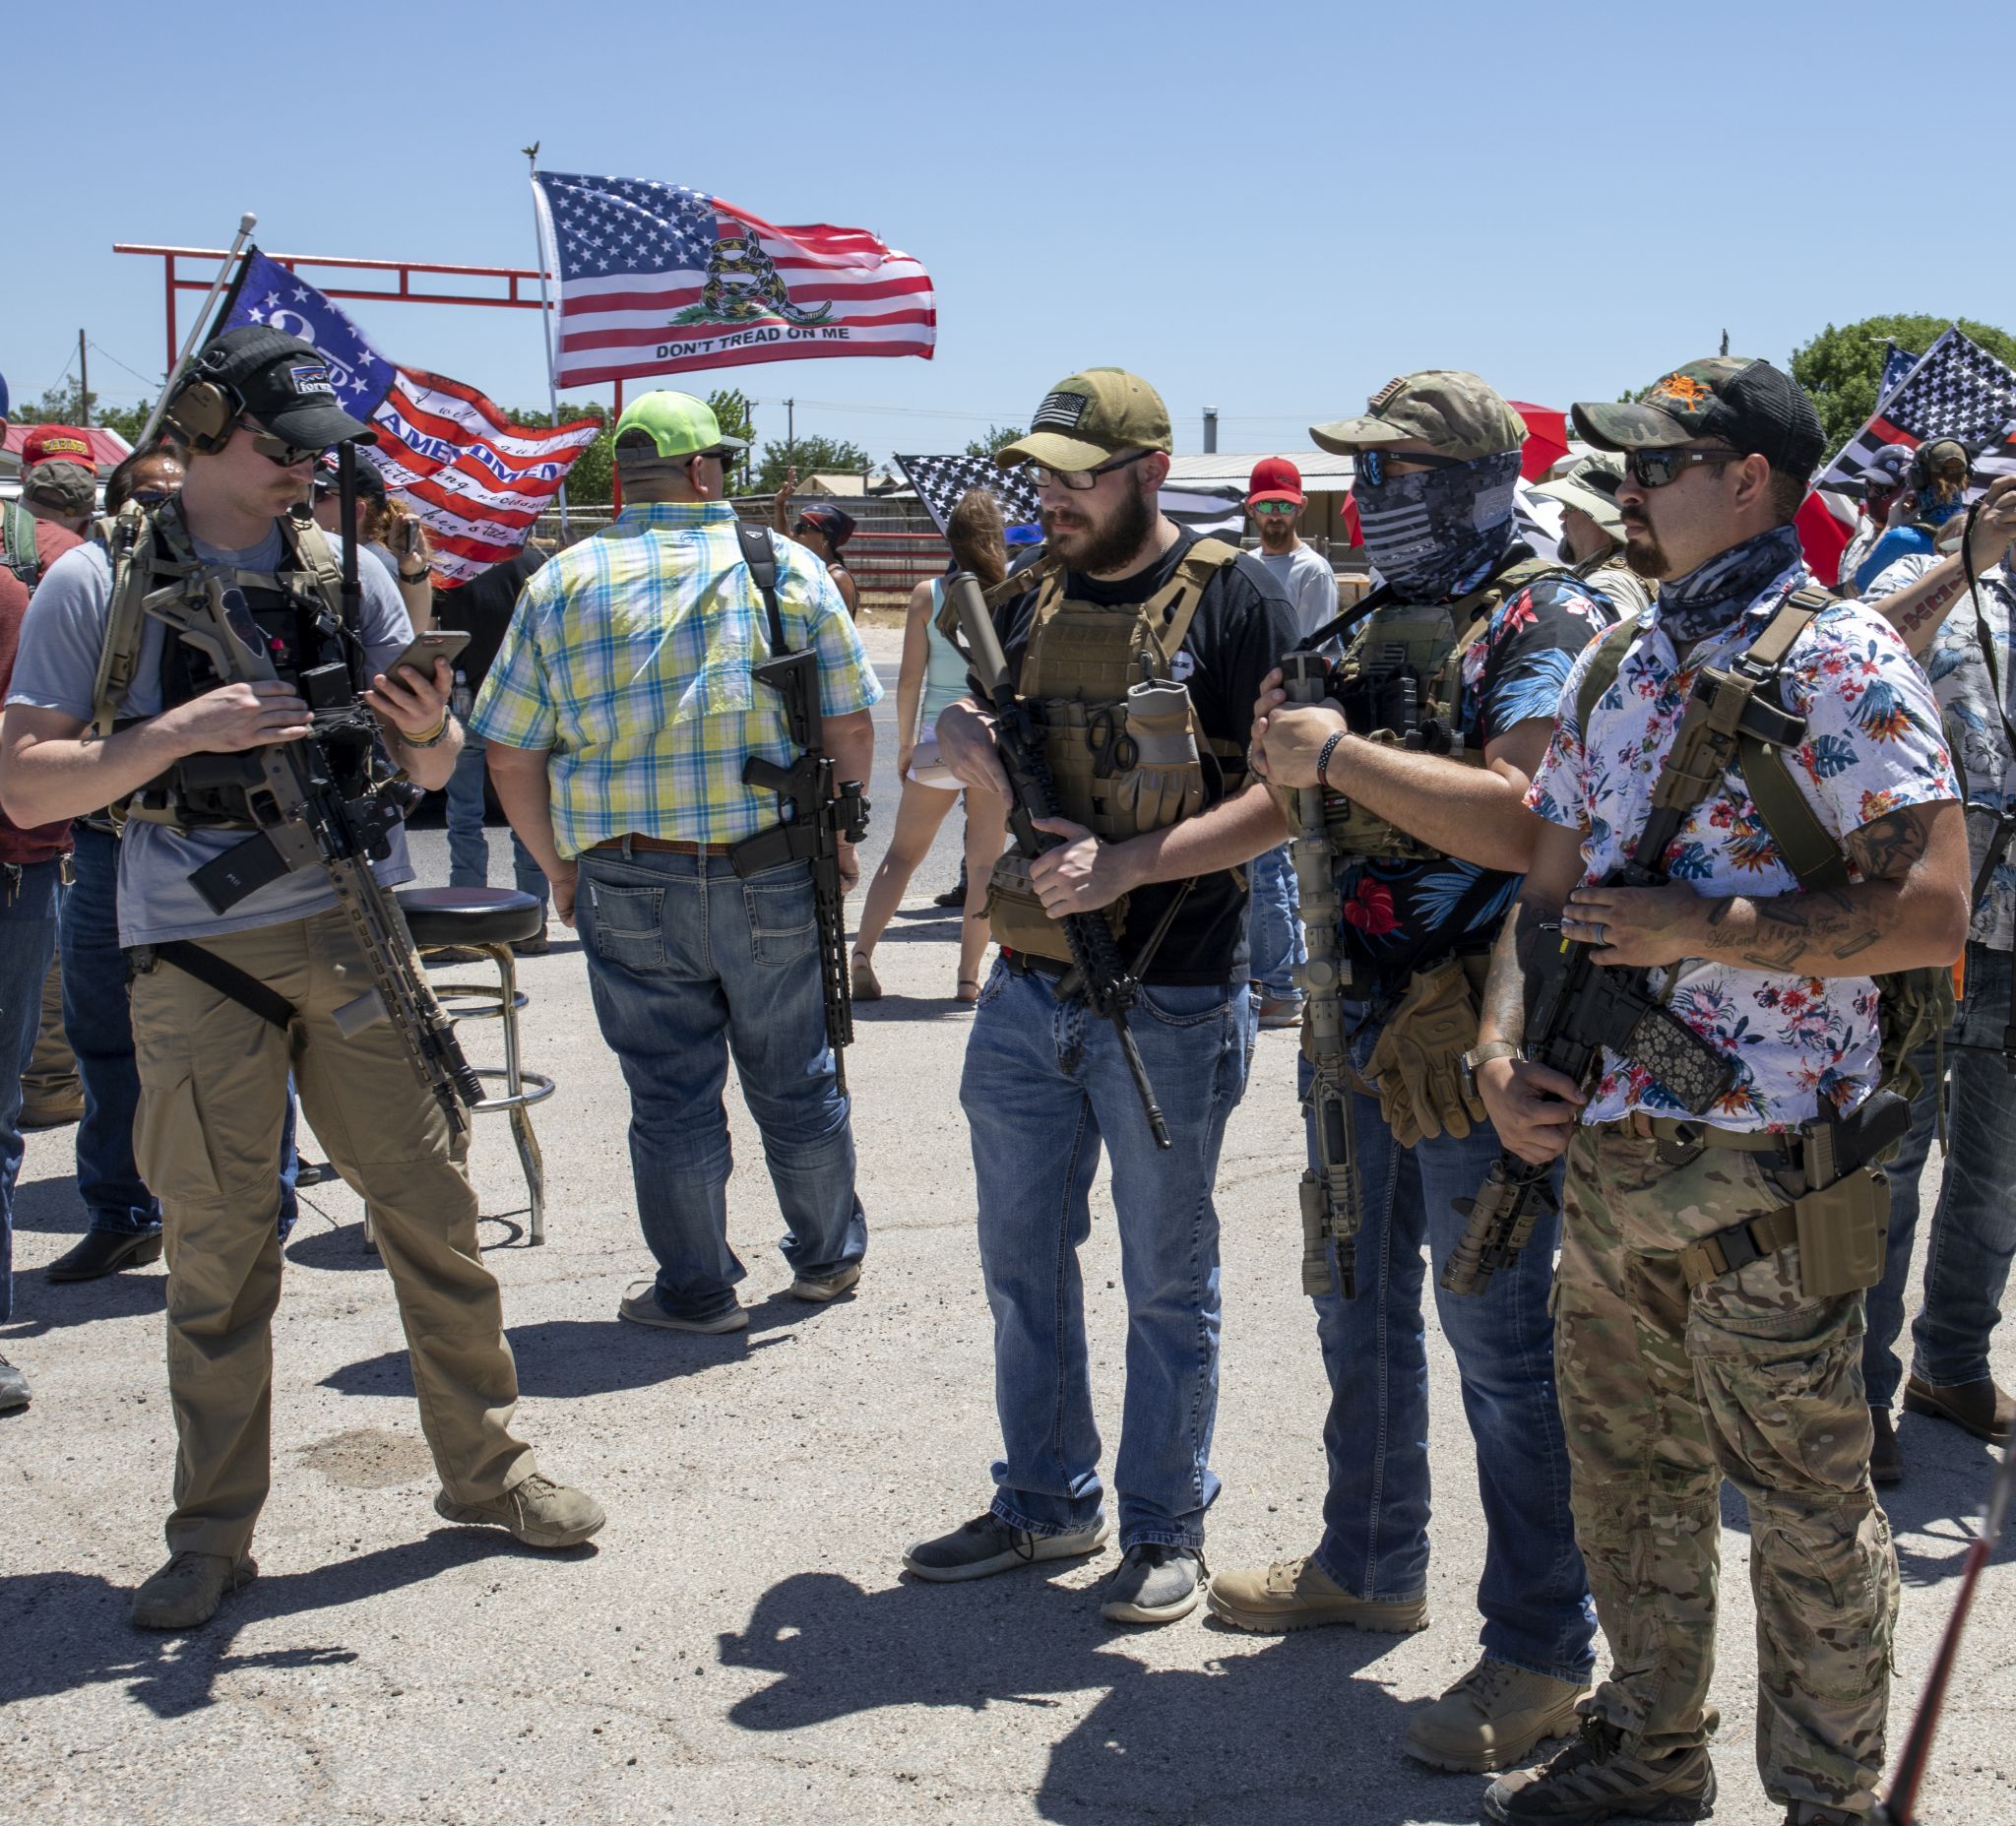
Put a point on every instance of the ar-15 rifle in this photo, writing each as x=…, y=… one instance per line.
x=1579, y=1007
x=306, y=822
x=1331, y=1206
x=1096, y=969
x=818, y=811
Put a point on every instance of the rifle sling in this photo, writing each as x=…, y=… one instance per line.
x=228, y=981
x=760, y=555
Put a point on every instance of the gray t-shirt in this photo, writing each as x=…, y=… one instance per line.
x=61, y=640
x=1308, y=582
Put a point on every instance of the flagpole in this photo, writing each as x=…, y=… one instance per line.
x=246, y=224
x=541, y=236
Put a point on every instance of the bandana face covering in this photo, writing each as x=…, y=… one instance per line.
x=1432, y=531
x=1714, y=594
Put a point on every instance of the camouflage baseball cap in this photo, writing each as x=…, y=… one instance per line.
x=1087, y=417
x=1591, y=485
x=1458, y=413
x=1749, y=404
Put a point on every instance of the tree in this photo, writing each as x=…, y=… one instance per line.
x=731, y=411
x=587, y=481
x=810, y=455
x=998, y=437
x=1840, y=367
x=66, y=404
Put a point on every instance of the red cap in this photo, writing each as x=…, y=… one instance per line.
x=56, y=444
x=1276, y=479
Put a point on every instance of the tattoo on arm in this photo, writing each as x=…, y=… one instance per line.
x=1940, y=599
x=1888, y=848
x=1794, y=929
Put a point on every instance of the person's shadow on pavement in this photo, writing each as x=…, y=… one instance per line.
x=1272, y=1728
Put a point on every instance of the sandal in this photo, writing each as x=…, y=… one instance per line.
x=866, y=986
x=966, y=983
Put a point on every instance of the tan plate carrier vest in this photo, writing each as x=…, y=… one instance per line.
x=1121, y=737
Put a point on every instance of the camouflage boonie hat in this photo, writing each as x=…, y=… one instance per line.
x=1460, y=415
x=1749, y=404
x=1086, y=418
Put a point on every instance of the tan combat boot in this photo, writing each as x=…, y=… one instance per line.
x=1297, y=1594
x=539, y=1511
x=1492, y=1717
x=187, y=1590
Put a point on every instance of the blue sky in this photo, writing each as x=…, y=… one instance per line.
x=1267, y=209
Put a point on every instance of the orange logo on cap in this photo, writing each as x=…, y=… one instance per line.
x=1681, y=390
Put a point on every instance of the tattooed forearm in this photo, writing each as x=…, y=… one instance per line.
x=1886, y=847
x=1796, y=931
x=1909, y=618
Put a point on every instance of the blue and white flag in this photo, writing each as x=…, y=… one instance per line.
x=267, y=293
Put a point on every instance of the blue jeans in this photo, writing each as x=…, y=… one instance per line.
x=1974, y=1225
x=687, y=962
x=1273, y=926
x=28, y=940
x=1043, y=1085
x=1534, y=1593
x=469, y=851
x=95, y=1015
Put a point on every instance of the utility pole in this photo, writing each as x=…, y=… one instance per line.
x=790, y=432
x=1210, y=429
x=1724, y=341
x=82, y=385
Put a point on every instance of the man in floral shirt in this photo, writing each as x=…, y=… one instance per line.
x=1432, y=835
x=1673, y=1376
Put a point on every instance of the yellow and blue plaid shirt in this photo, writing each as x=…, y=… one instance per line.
x=629, y=659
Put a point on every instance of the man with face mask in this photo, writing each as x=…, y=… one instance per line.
x=1123, y=611
x=1451, y=675
x=1769, y=759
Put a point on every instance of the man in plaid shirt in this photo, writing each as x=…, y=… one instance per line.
x=619, y=711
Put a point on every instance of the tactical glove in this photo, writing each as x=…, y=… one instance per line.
x=1417, y=1062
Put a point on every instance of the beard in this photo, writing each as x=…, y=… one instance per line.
x=1644, y=555
x=1277, y=532
x=1103, y=545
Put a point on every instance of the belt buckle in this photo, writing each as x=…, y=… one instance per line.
x=1683, y=1146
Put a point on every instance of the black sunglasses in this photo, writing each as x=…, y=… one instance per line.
x=1654, y=469
x=1077, y=480
x=276, y=450
x=1373, y=466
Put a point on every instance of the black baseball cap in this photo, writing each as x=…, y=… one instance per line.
x=1751, y=406
x=328, y=478
x=284, y=384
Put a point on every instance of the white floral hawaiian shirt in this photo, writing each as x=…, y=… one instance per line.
x=1872, y=747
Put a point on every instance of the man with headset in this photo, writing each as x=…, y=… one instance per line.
x=225, y=1006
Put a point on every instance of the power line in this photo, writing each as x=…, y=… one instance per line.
x=145, y=380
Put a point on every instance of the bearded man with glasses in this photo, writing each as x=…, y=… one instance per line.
x=1131, y=643
x=225, y=1005
x=1748, y=805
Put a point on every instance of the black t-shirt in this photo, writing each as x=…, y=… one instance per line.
x=482, y=607
x=1242, y=626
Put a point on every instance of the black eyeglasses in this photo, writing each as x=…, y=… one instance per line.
x=1373, y=466
x=1654, y=469
x=1077, y=480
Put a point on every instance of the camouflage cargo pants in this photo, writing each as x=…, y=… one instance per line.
x=1664, y=1394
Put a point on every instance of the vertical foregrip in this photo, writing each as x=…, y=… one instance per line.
x=1330, y=1196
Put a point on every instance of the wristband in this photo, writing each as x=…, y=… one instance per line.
x=1323, y=755
x=433, y=738
x=418, y=577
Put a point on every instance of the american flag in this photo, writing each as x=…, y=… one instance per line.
x=941, y=480
x=1956, y=390
x=477, y=481
x=656, y=279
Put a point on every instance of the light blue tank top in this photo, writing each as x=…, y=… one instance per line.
x=944, y=670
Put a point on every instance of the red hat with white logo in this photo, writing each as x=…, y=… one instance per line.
x=1276, y=479
x=56, y=444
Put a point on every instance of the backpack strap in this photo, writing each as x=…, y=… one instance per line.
x=309, y=546
x=1194, y=572
x=131, y=540
x=1604, y=666
x=18, y=530
x=760, y=555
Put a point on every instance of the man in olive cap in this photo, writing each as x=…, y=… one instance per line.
x=1441, y=710
x=225, y=1006
x=1136, y=646
x=1720, y=1218
x=619, y=714
x=1593, y=531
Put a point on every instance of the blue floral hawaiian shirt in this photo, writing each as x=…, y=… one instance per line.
x=1872, y=747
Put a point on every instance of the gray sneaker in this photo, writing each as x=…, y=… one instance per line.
x=187, y=1590
x=819, y=1289
x=1155, y=1584
x=13, y=1388
x=988, y=1544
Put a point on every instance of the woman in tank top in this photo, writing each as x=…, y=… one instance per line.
x=933, y=675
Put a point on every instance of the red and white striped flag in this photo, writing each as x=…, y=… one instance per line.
x=474, y=479
x=656, y=279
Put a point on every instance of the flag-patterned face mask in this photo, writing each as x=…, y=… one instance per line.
x=1437, y=531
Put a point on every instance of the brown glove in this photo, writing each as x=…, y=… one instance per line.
x=1417, y=1062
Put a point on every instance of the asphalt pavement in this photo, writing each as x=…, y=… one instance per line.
x=739, y=1643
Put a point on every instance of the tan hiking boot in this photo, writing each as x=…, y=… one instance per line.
x=538, y=1512
x=1297, y=1594
x=1492, y=1717
x=1592, y=1780
x=187, y=1590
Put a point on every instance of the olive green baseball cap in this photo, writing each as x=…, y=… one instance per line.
x=678, y=424
x=1087, y=417
x=1450, y=408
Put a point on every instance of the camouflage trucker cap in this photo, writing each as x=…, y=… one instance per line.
x=1450, y=408
x=1749, y=404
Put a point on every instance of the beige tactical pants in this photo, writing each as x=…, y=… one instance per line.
x=212, y=1093
x=1665, y=1393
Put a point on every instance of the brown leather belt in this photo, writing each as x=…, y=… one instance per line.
x=663, y=846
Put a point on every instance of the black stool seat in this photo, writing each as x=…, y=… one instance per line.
x=470, y=916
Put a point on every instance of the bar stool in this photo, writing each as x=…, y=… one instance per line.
x=488, y=921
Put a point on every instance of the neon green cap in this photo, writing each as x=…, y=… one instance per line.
x=678, y=424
